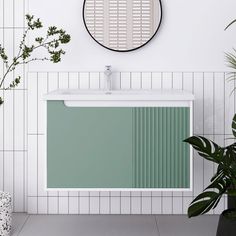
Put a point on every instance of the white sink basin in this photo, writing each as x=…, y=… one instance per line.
x=163, y=95
x=90, y=98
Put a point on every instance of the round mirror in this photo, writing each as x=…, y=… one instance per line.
x=122, y=25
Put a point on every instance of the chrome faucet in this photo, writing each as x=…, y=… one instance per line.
x=108, y=81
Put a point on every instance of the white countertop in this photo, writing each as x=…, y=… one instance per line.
x=119, y=95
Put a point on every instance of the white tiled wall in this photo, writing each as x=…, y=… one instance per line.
x=13, y=120
x=22, y=132
x=213, y=111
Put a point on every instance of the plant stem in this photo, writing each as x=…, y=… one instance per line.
x=44, y=44
x=23, y=41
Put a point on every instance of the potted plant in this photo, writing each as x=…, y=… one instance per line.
x=223, y=181
x=51, y=42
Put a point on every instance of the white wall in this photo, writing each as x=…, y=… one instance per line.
x=191, y=38
x=13, y=121
x=213, y=112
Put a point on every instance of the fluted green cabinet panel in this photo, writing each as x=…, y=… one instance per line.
x=119, y=147
x=161, y=159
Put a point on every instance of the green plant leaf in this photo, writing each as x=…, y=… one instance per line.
x=208, y=200
x=197, y=208
x=234, y=126
x=218, y=174
x=229, y=161
x=206, y=148
x=223, y=181
x=231, y=59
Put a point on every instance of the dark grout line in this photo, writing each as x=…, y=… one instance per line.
x=26, y=220
x=158, y=231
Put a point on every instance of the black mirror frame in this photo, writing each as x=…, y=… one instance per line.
x=158, y=27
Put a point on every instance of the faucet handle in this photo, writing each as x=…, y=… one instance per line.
x=108, y=67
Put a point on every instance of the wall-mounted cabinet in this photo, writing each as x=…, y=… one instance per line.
x=121, y=142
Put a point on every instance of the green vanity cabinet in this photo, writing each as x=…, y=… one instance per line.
x=117, y=147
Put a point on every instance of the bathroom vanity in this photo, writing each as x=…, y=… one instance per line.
x=119, y=140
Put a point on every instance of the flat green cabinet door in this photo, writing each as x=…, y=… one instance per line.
x=118, y=147
x=89, y=147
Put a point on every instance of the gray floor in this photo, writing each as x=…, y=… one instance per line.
x=113, y=225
